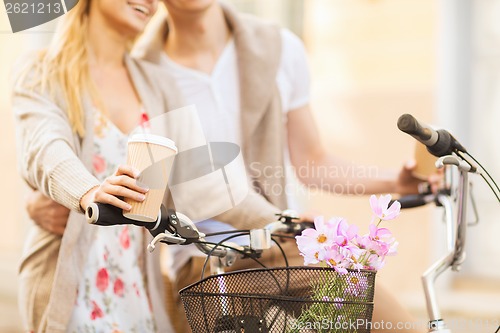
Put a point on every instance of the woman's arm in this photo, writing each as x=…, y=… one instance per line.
x=46, y=149
x=48, y=160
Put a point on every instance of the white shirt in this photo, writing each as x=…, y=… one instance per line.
x=217, y=99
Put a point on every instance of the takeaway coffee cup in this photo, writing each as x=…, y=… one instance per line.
x=153, y=156
x=425, y=162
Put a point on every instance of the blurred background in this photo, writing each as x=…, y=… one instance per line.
x=370, y=62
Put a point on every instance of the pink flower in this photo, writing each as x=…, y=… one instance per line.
x=118, y=287
x=322, y=233
x=375, y=262
x=384, y=244
x=102, y=279
x=310, y=254
x=339, y=303
x=96, y=311
x=337, y=244
x=342, y=230
x=124, y=238
x=357, y=265
x=99, y=163
x=377, y=233
x=312, y=240
x=375, y=246
x=367, y=243
x=393, y=249
x=335, y=258
x=356, y=285
x=380, y=207
x=144, y=122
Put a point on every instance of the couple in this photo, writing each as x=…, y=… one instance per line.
x=77, y=101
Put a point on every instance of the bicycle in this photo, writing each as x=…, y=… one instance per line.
x=174, y=228
x=450, y=153
x=227, y=302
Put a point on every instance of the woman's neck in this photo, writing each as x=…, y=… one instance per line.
x=197, y=39
x=106, y=45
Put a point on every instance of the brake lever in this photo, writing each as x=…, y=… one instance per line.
x=166, y=238
x=170, y=227
x=288, y=218
x=183, y=227
x=174, y=229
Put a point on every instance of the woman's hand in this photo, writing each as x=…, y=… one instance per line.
x=115, y=188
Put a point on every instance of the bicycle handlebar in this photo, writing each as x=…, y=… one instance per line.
x=439, y=143
x=108, y=215
x=415, y=200
x=179, y=226
x=174, y=228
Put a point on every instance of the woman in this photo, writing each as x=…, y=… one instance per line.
x=74, y=107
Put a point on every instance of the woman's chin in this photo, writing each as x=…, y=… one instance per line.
x=132, y=30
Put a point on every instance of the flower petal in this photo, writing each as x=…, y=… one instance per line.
x=383, y=232
x=393, y=211
x=374, y=204
x=384, y=200
x=319, y=222
x=352, y=231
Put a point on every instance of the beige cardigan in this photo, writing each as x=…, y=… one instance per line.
x=55, y=161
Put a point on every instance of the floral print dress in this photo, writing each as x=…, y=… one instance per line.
x=112, y=295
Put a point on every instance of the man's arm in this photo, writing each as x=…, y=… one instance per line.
x=334, y=173
x=47, y=213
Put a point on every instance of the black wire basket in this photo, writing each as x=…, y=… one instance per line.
x=288, y=299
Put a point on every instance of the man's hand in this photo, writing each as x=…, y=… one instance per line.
x=408, y=183
x=47, y=213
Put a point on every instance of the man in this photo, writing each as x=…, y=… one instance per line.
x=250, y=83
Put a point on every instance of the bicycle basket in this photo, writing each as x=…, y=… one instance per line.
x=288, y=299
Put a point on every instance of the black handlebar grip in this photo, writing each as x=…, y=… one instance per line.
x=414, y=200
x=422, y=132
x=439, y=143
x=108, y=215
x=306, y=225
x=409, y=124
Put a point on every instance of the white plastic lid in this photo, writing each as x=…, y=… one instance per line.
x=155, y=139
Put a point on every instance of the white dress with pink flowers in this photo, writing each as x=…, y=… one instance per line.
x=112, y=295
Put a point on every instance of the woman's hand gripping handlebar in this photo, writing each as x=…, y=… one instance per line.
x=170, y=226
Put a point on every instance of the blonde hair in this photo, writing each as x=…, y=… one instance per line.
x=63, y=66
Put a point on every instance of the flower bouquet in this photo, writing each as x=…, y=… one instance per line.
x=350, y=261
